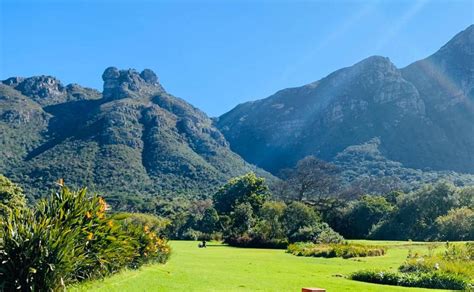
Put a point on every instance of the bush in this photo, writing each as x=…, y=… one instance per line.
x=150, y=249
x=37, y=254
x=106, y=246
x=434, y=280
x=318, y=233
x=255, y=242
x=67, y=238
x=345, y=250
x=191, y=234
x=11, y=196
x=457, y=259
x=144, y=229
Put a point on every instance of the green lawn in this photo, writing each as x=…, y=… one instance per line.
x=222, y=268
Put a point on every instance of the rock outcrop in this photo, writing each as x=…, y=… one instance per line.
x=47, y=90
x=129, y=83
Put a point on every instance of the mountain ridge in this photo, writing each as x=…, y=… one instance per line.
x=134, y=138
x=372, y=98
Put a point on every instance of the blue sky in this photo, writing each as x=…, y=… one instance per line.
x=216, y=54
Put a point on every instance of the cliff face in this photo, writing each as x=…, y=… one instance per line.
x=422, y=114
x=133, y=139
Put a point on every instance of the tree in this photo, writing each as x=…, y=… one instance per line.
x=244, y=189
x=298, y=215
x=11, y=196
x=270, y=225
x=310, y=180
x=466, y=197
x=365, y=213
x=458, y=224
x=242, y=219
x=209, y=222
x=373, y=185
x=415, y=213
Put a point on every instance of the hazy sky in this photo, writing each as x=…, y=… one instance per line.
x=216, y=54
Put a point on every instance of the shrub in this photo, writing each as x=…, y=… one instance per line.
x=106, y=246
x=434, y=280
x=37, y=254
x=335, y=250
x=150, y=248
x=191, y=234
x=70, y=237
x=11, y=196
x=146, y=228
x=327, y=235
x=256, y=242
x=457, y=259
x=318, y=233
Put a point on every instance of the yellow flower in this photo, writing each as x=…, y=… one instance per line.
x=90, y=236
x=110, y=223
x=88, y=215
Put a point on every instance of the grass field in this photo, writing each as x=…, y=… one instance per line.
x=223, y=268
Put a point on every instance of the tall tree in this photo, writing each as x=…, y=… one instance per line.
x=310, y=180
x=243, y=189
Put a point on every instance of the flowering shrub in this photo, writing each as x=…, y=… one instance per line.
x=344, y=250
x=70, y=237
x=456, y=259
x=452, y=269
x=145, y=230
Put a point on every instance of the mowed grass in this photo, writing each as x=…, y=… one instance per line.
x=222, y=268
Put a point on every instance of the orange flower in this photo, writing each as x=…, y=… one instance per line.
x=102, y=204
x=60, y=182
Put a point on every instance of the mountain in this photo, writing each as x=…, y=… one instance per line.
x=134, y=138
x=422, y=115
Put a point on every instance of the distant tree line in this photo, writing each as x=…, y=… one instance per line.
x=312, y=203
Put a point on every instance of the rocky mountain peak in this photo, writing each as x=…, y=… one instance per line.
x=128, y=83
x=376, y=64
x=37, y=87
x=376, y=60
x=423, y=114
x=462, y=41
x=48, y=90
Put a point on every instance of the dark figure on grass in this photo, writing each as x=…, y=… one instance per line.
x=202, y=244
